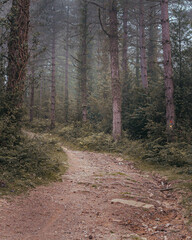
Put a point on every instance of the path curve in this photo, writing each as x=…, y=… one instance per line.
x=100, y=197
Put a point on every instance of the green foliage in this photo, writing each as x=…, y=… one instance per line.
x=10, y=124
x=97, y=142
x=100, y=111
x=136, y=122
x=89, y=137
x=134, y=114
x=27, y=164
x=76, y=130
x=144, y=113
x=182, y=57
x=155, y=114
x=172, y=154
x=69, y=132
x=38, y=125
x=154, y=150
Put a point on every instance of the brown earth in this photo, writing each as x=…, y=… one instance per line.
x=88, y=204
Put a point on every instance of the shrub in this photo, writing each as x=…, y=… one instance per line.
x=38, y=125
x=172, y=154
x=76, y=130
x=27, y=164
x=97, y=142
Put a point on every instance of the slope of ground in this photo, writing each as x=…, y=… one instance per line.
x=100, y=197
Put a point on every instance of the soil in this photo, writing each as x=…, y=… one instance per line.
x=100, y=197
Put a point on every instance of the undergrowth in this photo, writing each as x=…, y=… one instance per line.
x=178, y=154
x=38, y=125
x=153, y=152
x=28, y=164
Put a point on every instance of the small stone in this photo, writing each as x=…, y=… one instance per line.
x=132, y=203
x=160, y=228
x=168, y=225
x=144, y=225
x=120, y=163
x=90, y=237
x=116, y=220
x=135, y=236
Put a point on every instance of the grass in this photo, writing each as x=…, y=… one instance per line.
x=131, y=180
x=118, y=174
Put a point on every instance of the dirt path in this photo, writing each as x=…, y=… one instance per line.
x=101, y=197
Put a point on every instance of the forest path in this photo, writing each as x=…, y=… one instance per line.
x=101, y=197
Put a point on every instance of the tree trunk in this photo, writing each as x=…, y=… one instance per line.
x=137, y=60
x=152, y=46
x=143, y=47
x=168, y=71
x=84, y=61
x=16, y=72
x=180, y=52
x=53, y=92
x=116, y=83
x=18, y=50
x=125, y=41
x=66, y=104
x=40, y=98
x=31, y=114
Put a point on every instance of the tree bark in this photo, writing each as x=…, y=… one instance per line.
x=116, y=83
x=143, y=47
x=125, y=41
x=152, y=46
x=84, y=61
x=53, y=91
x=32, y=94
x=66, y=104
x=137, y=73
x=168, y=71
x=40, y=98
x=18, y=49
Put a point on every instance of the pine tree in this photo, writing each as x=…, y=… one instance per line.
x=18, y=49
x=168, y=71
x=16, y=72
x=115, y=75
x=143, y=61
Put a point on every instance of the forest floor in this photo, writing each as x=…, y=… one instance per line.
x=101, y=196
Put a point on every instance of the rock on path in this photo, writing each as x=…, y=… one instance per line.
x=100, y=197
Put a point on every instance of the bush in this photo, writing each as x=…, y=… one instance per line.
x=136, y=124
x=76, y=130
x=97, y=142
x=27, y=164
x=153, y=150
x=172, y=154
x=38, y=125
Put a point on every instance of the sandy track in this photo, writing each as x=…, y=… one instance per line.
x=80, y=207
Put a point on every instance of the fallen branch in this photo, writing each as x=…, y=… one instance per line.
x=166, y=189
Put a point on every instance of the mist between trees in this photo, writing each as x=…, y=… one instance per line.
x=124, y=67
